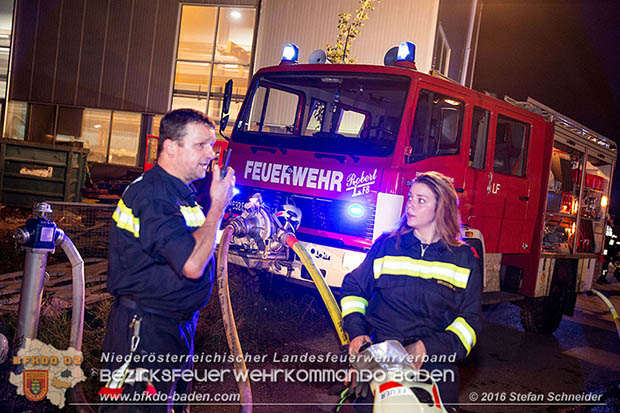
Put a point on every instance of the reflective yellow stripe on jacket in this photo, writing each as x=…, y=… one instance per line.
x=123, y=216
x=193, y=216
x=449, y=273
x=353, y=304
x=464, y=332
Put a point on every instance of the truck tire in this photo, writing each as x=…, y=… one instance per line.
x=543, y=315
x=538, y=315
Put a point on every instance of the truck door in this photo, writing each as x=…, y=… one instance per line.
x=481, y=208
x=436, y=136
x=501, y=190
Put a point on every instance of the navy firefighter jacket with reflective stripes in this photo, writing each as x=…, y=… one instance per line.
x=402, y=293
x=150, y=240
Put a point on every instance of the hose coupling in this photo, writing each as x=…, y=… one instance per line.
x=283, y=237
x=240, y=229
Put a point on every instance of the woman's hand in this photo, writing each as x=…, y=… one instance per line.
x=356, y=343
x=417, y=350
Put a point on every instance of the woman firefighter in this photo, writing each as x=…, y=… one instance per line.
x=419, y=285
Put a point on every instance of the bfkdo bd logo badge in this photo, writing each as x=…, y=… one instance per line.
x=36, y=384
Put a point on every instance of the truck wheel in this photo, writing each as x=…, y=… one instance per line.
x=540, y=316
x=543, y=315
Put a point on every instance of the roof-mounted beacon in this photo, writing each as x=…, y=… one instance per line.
x=290, y=54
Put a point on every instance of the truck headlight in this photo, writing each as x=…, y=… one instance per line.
x=355, y=210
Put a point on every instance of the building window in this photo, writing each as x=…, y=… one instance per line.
x=156, y=121
x=41, y=123
x=95, y=133
x=68, y=124
x=124, y=138
x=6, y=28
x=442, y=52
x=111, y=137
x=16, y=120
x=152, y=145
x=215, y=44
x=183, y=102
x=5, y=42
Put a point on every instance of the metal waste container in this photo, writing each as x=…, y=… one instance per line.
x=33, y=172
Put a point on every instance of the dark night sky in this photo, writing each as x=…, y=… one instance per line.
x=564, y=54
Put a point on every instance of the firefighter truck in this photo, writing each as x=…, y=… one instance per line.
x=334, y=148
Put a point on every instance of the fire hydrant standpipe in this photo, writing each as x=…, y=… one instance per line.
x=39, y=237
x=30, y=296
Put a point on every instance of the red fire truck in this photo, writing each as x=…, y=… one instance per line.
x=342, y=144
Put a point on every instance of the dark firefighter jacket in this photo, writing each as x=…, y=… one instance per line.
x=406, y=295
x=150, y=240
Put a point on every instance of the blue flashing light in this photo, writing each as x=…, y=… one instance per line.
x=290, y=53
x=406, y=52
x=356, y=210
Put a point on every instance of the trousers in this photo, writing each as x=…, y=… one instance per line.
x=166, y=345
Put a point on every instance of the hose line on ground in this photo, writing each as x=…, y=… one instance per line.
x=611, y=307
x=228, y=318
x=321, y=285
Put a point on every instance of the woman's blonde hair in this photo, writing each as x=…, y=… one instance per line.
x=447, y=218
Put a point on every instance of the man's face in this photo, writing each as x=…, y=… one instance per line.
x=195, y=151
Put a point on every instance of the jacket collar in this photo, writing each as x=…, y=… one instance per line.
x=409, y=240
x=185, y=191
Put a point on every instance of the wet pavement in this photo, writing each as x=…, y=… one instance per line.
x=514, y=370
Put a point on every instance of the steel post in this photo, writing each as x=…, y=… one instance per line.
x=31, y=293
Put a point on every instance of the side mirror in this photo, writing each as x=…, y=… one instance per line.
x=226, y=107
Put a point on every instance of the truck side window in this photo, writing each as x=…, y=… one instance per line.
x=479, y=138
x=511, y=146
x=436, y=126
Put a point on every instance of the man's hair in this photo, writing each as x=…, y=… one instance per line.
x=172, y=126
x=447, y=218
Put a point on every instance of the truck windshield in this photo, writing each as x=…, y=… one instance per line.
x=348, y=113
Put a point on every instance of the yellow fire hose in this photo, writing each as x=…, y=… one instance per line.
x=321, y=285
x=230, y=327
x=611, y=307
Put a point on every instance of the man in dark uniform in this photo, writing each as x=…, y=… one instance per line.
x=161, y=264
